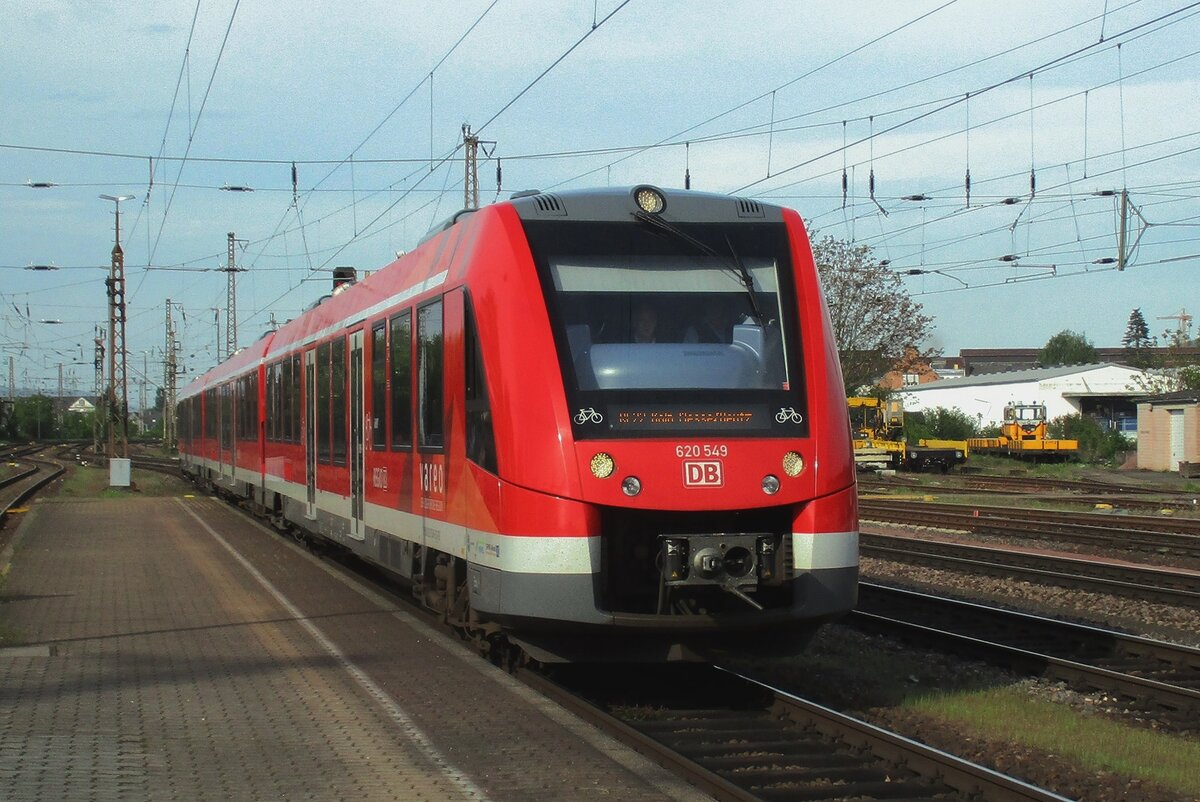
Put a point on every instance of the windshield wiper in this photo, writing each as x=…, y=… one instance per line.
x=734, y=265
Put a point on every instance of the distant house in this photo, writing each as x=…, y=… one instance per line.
x=82, y=406
x=1168, y=431
x=910, y=370
x=1100, y=391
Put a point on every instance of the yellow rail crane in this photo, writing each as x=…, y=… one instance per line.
x=1024, y=434
x=879, y=443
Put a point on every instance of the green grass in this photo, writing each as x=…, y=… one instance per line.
x=92, y=482
x=1091, y=741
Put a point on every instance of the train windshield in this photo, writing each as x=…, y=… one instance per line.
x=664, y=327
x=671, y=322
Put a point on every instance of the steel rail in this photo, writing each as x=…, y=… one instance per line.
x=961, y=483
x=787, y=747
x=34, y=486
x=1179, y=537
x=1167, y=678
x=1140, y=582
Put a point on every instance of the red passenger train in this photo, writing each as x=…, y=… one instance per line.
x=602, y=422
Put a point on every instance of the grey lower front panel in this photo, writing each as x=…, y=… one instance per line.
x=544, y=600
x=554, y=597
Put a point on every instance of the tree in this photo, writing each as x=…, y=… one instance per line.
x=1137, y=341
x=1096, y=444
x=941, y=423
x=1068, y=348
x=34, y=417
x=873, y=317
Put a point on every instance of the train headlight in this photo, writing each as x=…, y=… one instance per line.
x=602, y=465
x=793, y=463
x=649, y=200
x=770, y=484
x=631, y=486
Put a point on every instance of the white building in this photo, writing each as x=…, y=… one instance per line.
x=1103, y=391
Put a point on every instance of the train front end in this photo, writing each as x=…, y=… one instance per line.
x=713, y=479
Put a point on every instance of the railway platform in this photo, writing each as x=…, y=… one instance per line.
x=169, y=648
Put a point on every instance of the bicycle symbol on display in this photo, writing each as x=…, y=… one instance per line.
x=786, y=414
x=588, y=415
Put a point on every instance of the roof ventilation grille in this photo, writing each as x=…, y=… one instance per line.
x=749, y=208
x=548, y=204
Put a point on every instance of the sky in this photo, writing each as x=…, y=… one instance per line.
x=180, y=104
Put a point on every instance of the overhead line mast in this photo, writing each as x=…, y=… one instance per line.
x=170, y=374
x=231, y=269
x=471, y=143
x=118, y=388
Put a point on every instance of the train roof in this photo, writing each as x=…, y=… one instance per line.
x=617, y=203
x=425, y=267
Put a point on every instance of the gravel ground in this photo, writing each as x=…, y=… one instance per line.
x=870, y=676
x=1161, y=621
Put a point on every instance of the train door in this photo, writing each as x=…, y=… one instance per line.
x=1178, y=443
x=431, y=422
x=356, y=455
x=310, y=432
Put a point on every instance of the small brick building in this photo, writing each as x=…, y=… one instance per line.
x=1168, y=431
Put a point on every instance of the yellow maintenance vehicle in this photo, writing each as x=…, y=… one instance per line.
x=879, y=443
x=1024, y=434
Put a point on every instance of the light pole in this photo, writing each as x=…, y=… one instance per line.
x=117, y=384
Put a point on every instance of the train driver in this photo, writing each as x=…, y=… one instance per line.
x=645, y=323
x=713, y=326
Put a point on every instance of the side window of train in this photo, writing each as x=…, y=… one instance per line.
x=322, y=417
x=379, y=386
x=273, y=401
x=430, y=392
x=226, y=415
x=337, y=394
x=400, y=349
x=294, y=395
x=481, y=441
x=210, y=415
x=252, y=405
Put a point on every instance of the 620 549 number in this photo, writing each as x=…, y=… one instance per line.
x=698, y=450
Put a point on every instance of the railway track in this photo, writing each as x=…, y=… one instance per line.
x=169, y=465
x=738, y=739
x=1137, y=581
x=1157, y=678
x=17, y=489
x=1075, y=491
x=1172, y=537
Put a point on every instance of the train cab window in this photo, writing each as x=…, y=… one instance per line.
x=481, y=440
x=337, y=399
x=668, y=327
x=400, y=351
x=430, y=392
x=322, y=417
x=379, y=386
x=671, y=322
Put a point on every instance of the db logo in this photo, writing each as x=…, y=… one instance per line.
x=706, y=473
